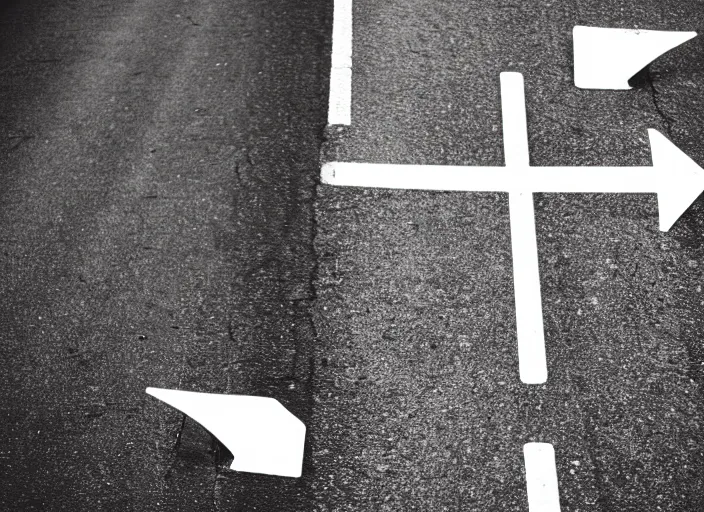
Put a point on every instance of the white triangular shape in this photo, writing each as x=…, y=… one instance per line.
x=606, y=58
x=681, y=179
x=263, y=436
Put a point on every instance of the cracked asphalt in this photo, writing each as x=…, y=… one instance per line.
x=159, y=164
x=162, y=224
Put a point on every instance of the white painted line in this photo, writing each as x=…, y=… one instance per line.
x=606, y=58
x=541, y=478
x=674, y=177
x=513, y=117
x=263, y=436
x=532, y=366
x=340, y=101
x=339, y=109
x=524, y=246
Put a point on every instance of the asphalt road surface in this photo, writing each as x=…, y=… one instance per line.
x=162, y=224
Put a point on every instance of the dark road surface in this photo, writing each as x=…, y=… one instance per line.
x=161, y=224
x=159, y=162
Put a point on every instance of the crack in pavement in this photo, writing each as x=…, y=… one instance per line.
x=655, y=94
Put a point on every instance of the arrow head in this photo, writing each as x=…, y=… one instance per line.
x=680, y=179
x=263, y=436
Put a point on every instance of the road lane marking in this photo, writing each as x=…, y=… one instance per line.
x=263, y=436
x=541, y=477
x=532, y=365
x=513, y=117
x=606, y=58
x=673, y=171
x=674, y=177
x=340, y=100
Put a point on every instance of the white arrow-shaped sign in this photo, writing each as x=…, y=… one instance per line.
x=674, y=177
x=606, y=58
x=263, y=436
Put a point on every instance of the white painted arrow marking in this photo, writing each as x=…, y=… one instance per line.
x=674, y=177
x=263, y=436
x=606, y=58
x=541, y=477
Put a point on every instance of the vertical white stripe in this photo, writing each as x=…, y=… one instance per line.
x=339, y=109
x=342, y=34
x=515, y=126
x=526, y=283
x=524, y=246
x=541, y=478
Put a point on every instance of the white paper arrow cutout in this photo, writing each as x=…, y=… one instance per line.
x=606, y=58
x=263, y=436
x=674, y=177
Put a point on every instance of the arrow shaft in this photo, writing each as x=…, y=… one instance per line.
x=517, y=178
x=621, y=180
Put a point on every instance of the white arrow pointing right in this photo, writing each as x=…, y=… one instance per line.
x=674, y=177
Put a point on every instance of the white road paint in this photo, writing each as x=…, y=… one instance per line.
x=339, y=109
x=263, y=436
x=674, y=177
x=606, y=58
x=513, y=116
x=532, y=366
x=541, y=478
